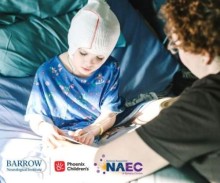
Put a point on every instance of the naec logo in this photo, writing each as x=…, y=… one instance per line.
x=59, y=166
x=123, y=166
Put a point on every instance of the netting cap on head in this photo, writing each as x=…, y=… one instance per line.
x=94, y=27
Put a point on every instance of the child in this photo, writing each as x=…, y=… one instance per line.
x=77, y=91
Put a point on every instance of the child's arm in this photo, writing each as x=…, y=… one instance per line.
x=102, y=123
x=49, y=132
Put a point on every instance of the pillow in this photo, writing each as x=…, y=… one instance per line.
x=146, y=65
x=121, y=41
x=28, y=40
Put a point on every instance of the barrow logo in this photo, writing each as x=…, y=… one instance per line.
x=59, y=166
x=33, y=164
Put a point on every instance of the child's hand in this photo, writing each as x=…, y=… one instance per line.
x=51, y=135
x=83, y=136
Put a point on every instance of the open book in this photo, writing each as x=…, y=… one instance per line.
x=123, y=125
x=109, y=135
x=116, y=132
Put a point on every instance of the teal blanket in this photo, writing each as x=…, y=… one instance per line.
x=33, y=31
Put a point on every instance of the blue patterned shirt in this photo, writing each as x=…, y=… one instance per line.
x=71, y=102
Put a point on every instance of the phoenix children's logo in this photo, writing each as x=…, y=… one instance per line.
x=59, y=166
x=124, y=166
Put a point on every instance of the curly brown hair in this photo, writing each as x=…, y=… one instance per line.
x=196, y=24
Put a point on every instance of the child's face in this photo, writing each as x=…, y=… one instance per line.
x=85, y=63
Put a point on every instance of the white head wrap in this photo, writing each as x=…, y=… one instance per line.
x=94, y=27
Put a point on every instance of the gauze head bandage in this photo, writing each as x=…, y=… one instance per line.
x=94, y=27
